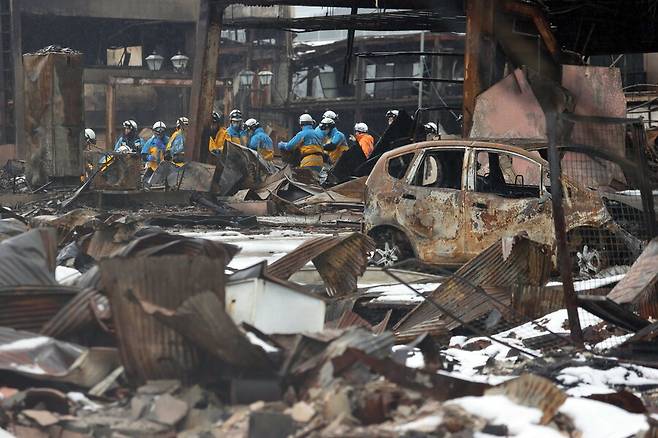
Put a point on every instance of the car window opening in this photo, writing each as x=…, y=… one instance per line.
x=398, y=166
x=507, y=175
x=441, y=169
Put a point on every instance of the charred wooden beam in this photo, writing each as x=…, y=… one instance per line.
x=208, y=33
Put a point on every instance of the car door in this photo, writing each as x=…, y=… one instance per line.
x=505, y=195
x=430, y=209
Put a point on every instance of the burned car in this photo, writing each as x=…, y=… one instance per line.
x=444, y=202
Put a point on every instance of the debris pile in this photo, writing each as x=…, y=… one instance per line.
x=117, y=327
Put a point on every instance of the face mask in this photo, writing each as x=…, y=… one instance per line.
x=236, y=125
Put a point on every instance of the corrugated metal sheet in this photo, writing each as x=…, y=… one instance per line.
x=150, y=350
x=29, y=307
x=638, y=287
x=76, y=314
x=508, y=264
x=339, y=260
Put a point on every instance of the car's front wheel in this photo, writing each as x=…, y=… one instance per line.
x=392, y=247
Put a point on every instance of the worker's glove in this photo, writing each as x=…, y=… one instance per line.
x=282, y=145
x=330, y=147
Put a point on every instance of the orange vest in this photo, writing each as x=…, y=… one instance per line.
x=367, y=143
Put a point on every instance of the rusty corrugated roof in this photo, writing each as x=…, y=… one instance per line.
x=339, y=260
x=527, y=263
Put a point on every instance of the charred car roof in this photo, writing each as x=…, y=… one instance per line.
x=463, y=143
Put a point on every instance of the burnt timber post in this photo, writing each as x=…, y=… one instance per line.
x=479, y=56
x=553, y=129
x=208, y=33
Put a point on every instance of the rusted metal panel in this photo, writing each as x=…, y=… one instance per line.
x=597, y=91
x=150, y=350
x=638, y=287
x=202, y=319
x=54, y=115
x=508, y=264
x=29, y=307
x=509, y=109
x=339, y=260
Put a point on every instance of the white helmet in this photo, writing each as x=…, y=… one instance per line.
x=159, y=127
x=130, y=124
x=251, y=124
x=90, y=135
x=330, y=115
x=235, y=115
x=361, y=127
x=392, y=113
x=182, y=121
x=431, y=128
x=327, y=123
x=306, y=119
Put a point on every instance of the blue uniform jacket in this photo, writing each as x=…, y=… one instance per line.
x=133, y=143
x=334, y=137
x=160, y=143
x=261, y=140
x=306, y=137
x=178, y=145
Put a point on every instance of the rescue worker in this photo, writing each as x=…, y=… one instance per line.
x=218, y=134
x=129, y=141
x=363, y=139
x=391, y=115
x=90, y=139
x=234, y=131
x=154, y=148
x=431, y=131
x=308, y=143
x=176, y=145
x=333, y=141
x=327, y=115
x=258, y=140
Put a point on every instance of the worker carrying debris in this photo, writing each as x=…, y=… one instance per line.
x=234, y=131
x=154, y=148
x=361, y=137
x=258, y=140
x=130, y=140
x=391, y=115
x=308, y=143
x=333, y=141
x=176, y=145
x=218, y=134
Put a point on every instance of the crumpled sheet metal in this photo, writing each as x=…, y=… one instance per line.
x=123, y=173
x=339, y=260
x=149, y=349
x=240, y=168
x=44, y=358
x=638, y=287
x=528, y=264
x=29, y=259
x=201, y=319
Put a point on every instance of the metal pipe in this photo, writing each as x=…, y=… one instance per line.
x=422, y=69
x=564, y=260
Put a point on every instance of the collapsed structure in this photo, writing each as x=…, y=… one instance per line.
x=503, y=284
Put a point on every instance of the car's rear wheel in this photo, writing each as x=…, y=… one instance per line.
x=594, y=251
x=392, y=247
